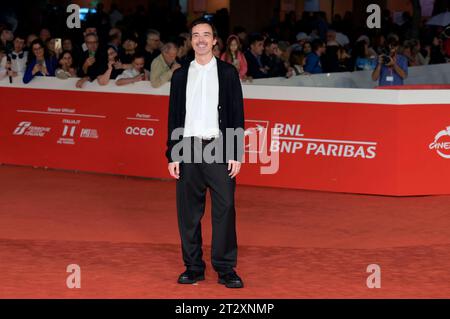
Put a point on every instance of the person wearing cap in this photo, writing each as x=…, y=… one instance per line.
x=301, y=38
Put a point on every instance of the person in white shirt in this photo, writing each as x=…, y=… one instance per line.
x=5, y=66
x=136, y=73
x=18, y=56
x=206, y=104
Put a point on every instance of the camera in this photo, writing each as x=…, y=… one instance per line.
x=386, y=59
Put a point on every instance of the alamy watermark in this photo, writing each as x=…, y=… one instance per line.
x=236, y=144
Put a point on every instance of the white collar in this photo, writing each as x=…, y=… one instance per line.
x=206, y=66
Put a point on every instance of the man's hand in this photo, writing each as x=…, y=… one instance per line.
x=234, y=167
x=174, y=169
x=118, y=65
x=44, y=70
x=81, y=82
x=175, y=66
x=140, y=77
x=37, y=68
x=89, y=61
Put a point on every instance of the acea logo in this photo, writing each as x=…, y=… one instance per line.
x=139, y=131
x=441, y=143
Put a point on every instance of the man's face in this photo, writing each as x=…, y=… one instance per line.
x=322, y=49
x=7, y=35
x=129, y=45
x=307, y=48
x=44, y=35
x=153, y=41
x=91, y=43
x=138, y=64
x=393, y=49
x=170, y=56
x=257, y=47
x=19, y=44
x=67, y=45
x=276, y=50
x=203, y=39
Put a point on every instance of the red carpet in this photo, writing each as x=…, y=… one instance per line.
x=292, y=244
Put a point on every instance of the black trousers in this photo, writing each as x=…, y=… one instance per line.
x=195, y=179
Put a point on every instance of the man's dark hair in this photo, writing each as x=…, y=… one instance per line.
x=130, y=36
x=20, y=36
x=138, y=55
x=204, y=21
x=255, y=38
x=392, y=42
x=317, y=44
x=269, y=42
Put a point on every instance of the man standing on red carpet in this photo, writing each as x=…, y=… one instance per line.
x=206, y=117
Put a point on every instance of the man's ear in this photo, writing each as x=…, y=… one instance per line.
x=214, y=41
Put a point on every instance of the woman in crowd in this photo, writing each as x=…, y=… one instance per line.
x=437, y=51
x=412, y=51
x=297, y=62
x=307, y=48
x=363, y=59
x=40, y=63
x=67, y=68
x=234, y=55
x=112, y=68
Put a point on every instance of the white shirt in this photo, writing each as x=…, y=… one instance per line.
x=131, y=73
x=202, y=99
x=19, y=64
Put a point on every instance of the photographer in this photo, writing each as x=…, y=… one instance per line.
x=392, y=68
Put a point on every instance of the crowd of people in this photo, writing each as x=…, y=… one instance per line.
x=113, y=50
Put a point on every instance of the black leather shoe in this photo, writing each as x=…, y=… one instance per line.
x=191, y=277
x=231, y=280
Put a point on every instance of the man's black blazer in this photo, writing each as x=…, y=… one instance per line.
x=230, y=107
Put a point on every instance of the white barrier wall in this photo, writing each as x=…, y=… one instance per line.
x=427, y=74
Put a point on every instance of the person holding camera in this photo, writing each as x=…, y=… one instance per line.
x=392, y=68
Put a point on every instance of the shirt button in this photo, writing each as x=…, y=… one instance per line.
x=220, y=107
